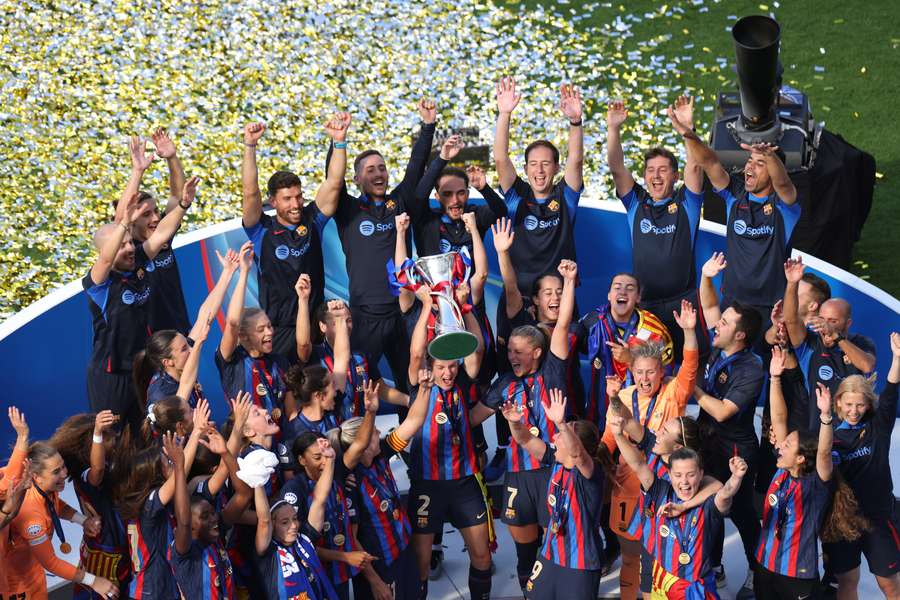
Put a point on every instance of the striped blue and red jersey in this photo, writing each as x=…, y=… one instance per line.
x=295, y=572
x=384, y=527
x=336, y=534
x=262, y=377
x=642, y=517
x=692, y=534
x=574, y=503
x=300, y=423
x=443, y=449
x=162, y=384
x=793, y=511
x=203, y=572
x=107, y=554
x=359, y=373
x=149, y=536
x=528, y=392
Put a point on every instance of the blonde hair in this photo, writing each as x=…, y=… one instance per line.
x=346, y=433
x=857, y=384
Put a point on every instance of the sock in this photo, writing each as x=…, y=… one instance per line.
x=630, y=576
x=526, y=555
x=479, y=583
x=423, y=589
x=436, y=544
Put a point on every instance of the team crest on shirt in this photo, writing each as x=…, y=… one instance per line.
x=360, y=370
x=302, y=230
x=723, y=377
x=33, y=530
x=767, y=208
x=673, y=208
x=846, y=360
x=553, y=205
x=140, y=273
x=390, y=205
x=290, y=498
x=510, y=514
x=422, y=522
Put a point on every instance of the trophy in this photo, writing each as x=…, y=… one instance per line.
x=443, y=273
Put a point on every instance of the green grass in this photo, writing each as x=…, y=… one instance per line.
x=856, y=94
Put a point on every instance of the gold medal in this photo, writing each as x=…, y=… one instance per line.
x=684, y=558
x=261, y=390
x=276, y=414
x=551, y=500
x=664, y=530
x=440, y=418
x=554, y=526
x=339, y=540
x=535, y=431
x=773, y=500
x=384, y=506
x=598, y=364
x=65, y=547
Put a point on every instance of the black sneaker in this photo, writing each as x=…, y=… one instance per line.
x=721, y=580
x=497, y=467
x=746, y=591
x=437, y=564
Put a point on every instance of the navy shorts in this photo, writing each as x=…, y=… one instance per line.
x=525, y=497
x=549, y=581
x=459, y=502
x=646, y=571
x=881, y=545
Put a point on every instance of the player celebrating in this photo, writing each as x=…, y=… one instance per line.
x=662, y=221
x=542, y=210
x=291, y=243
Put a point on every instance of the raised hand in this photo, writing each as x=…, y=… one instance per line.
x=507, y=98
x=426, y=378
x=823, y=399
x=737, y=466
x=140, y=160
x=616, y=114
x=776, y=364
x=555, y=409
x=715, y=265
x=423, y=293
x=895, y=344
x=215, y=442
x=165, y=147
x=684, y=110
x=189, y=191
x=793, y=269
x=370, y=396
x=252, y=133
x=172, y=448
x=246, y=254
x=401, y=222
x=325, y=448
x=613, y=385
x=477, y=178
x=471, y=223
x=17, y=420
x=777, y=314
x=103, y=421
x=303, y=287
x=451, y=147
x=427, y=110
x=677, y=125
x=763, y=148
x=132, y=209
x=512, y=412
x=620, y=352
x=503, y=234
x=568, y=269
x=687, y=319
x=231, y=261
x=241, y=407
x=825, y=330
x=617, y=407
x=205, y=318
x=337, y=126
x=201, y=414
x=570, y=102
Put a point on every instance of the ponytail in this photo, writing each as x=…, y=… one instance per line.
x=303, y=382
x=167, y=415
x=148, y=362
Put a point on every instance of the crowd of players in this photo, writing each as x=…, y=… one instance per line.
x=294, y=497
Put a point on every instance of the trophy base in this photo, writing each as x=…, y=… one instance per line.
x=453, y=346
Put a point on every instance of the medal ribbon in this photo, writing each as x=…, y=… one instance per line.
x=682, y=530
x=265, y=378
x=527, y=402
x=783, y=495
x=561, y=508
x=378, y=479
x=635, y=408
x=454, y=409
x=57, y=524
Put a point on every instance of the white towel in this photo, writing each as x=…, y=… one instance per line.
x=256, y=468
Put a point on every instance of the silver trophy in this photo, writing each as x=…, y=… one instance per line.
x=451, y=340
